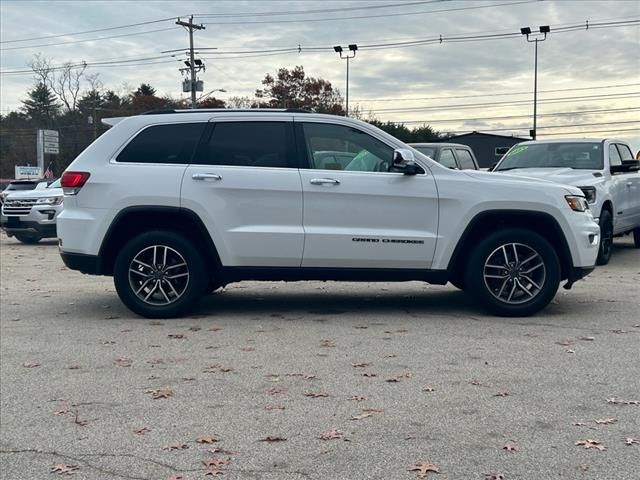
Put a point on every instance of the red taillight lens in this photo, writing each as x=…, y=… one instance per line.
x=72, y=182
x=74, y=179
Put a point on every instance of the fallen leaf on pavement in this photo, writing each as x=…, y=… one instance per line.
x=206, y=439
x=327, y=343
x=215, y=462
x=122, y=362
x=630, y=441
x=316, y=394
x=501, y=394
x=176, y=335
x=617, y=401
x=494, y=476
x=588, y=443
x=369, y=374
x=222, y=450
x=586, y=339
x=195, y=328
x=475, y=383
x=176, y=446
x=564, y=343
x=357, y=398
x=213, y=472
x=141, y=430
x=64, y=469
x=30, y=365
x=373, y=410
x=247, y=349
x=428, y=389
x=276, y=391
x=605, y=421
x=160, y=393
x=360, y=364
x=510, y=447
x=424, y=468
x=272, y=438
x=331, y=434
x=361, y=416
x=177, y=477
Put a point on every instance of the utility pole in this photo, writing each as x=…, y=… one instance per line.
x=192, y=67
x=350, y=54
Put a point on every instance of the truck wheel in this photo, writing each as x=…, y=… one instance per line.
x=606, y=238
x=636, y=237
x=159, y=274
x=28, y=238
x=513, y=272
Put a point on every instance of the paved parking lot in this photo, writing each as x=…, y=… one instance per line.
x=391, y=375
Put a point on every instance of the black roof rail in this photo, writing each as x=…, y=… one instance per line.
x=202, y=110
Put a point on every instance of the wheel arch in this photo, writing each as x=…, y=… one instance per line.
x=486, y=222
x=135, y=220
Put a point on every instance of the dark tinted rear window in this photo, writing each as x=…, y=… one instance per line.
x=163, y=144
x=251, y=144
x=22, y=186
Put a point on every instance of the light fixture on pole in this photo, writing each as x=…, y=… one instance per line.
x=349, y=54
x=536, y=37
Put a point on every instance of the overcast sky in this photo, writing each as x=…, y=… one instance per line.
x=601, y=64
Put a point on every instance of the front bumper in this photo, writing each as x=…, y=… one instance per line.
x=575, y=274
x=15, y=225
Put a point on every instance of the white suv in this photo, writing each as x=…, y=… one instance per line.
x=175, y=205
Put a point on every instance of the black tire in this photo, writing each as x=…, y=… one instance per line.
x=606, y=238
x=172, y=281
x=636, y=237
x=530, y=290
x=458, y=282
x=28, y=238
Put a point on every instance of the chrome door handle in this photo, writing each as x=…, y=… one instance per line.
x=324, y=181
x=206, y=176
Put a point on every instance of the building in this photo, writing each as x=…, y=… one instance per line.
x=488, y=148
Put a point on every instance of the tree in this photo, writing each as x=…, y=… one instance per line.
x=419, y=134
x=145, y=90
x=65, y=80
x=41, y=104
x=212, y=102
x=293, y=89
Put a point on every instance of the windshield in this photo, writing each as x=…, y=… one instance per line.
x=428, y=151
x=582, y=155
x=55, y=184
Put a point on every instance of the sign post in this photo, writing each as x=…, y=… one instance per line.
x=48, y=142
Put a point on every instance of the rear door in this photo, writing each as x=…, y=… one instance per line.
x=363, y=216
x=245, y=186
x=618, y=191
x=631, y=180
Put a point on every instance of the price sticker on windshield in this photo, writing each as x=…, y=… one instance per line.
x=517, y=150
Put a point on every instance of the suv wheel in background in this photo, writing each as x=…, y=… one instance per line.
x=606, y=238
x=513, y=272
x=28, y=238
x=159, y=274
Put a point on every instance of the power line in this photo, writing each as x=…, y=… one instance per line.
x=360, y=17
x=412, y=99
x=149, y=22
x=572, y=125
x=509, y=117
x=324, y=10
x=584, y=98
x=594, y=131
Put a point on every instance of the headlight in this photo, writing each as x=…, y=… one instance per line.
x=589, y=193
x=579, y=204
x=49, y=200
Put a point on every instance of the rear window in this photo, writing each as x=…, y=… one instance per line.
x=163, y=144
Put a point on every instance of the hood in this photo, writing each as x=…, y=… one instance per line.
x=36, y=193
x=567, y=176
x=510, y=179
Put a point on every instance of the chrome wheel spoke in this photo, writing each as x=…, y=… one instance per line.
x=496, y=276
x=513, y=289
x=524, y=289
x=527, y=272
x=159, y=275
x=531, y=281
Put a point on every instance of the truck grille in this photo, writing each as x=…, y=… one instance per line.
x=18, y=207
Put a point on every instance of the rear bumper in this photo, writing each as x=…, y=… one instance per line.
x=84, y=263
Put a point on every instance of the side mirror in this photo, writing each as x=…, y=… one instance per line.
x=404, y=161
x=627, y=166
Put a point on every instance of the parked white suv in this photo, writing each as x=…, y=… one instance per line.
x=174, y=205
x=30, y=215
x=604, y=170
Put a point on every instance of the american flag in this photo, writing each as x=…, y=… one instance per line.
x=49, y=171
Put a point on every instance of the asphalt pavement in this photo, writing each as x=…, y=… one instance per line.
x=316, y=380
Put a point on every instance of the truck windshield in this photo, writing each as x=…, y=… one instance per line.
x=428, y=151
x=579, y=155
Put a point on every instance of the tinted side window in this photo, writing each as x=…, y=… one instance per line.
x=614, y=156
x=465, y=159
x=447, y=159
x=251, y=144
x=625, y=153
x=163, y=144
x=352, y=149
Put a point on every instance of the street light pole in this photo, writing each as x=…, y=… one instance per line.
x=352, y=48
x=544, y=30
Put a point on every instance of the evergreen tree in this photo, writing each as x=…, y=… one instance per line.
x=41, y=103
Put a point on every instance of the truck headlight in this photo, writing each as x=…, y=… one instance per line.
x=589, y=193
x=57, y=200
x=579, y=204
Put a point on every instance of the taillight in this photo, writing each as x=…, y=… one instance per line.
x=72, y=182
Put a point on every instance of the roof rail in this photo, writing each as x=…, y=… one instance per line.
x=230, y=110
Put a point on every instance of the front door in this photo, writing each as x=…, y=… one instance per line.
x=357, y=214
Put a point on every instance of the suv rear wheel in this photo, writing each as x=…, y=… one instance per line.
x=513, y=272
x=159, y=274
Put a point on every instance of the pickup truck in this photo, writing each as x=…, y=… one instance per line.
x=604, y=170
x=452, y=155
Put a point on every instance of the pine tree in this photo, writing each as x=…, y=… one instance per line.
x=41, y=103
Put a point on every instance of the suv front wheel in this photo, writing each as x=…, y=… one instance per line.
x=513, y=272
x=159, y=274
